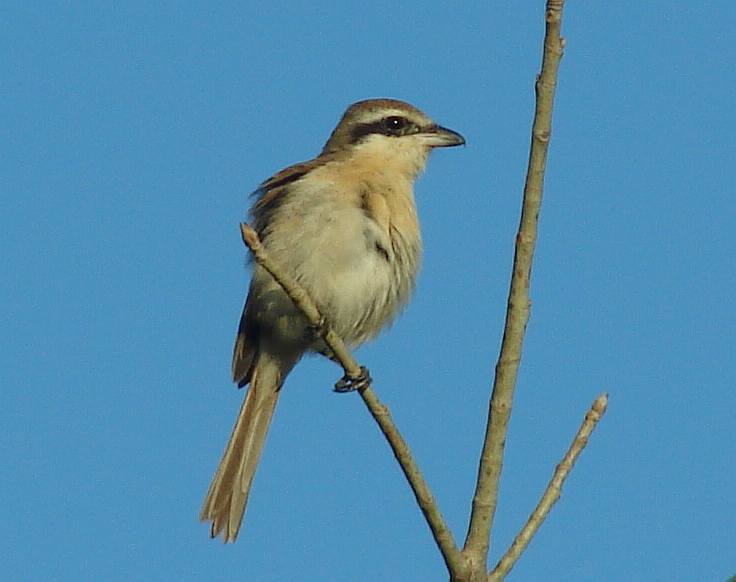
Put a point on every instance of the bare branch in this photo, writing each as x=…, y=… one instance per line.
x=517, y=315
x=553, y=491
x=441, y=533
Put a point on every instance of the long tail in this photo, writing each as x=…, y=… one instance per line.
x=225, y=503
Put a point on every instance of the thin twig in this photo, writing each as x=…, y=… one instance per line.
x=553, y=491
x=517, y=315
x=441, y=533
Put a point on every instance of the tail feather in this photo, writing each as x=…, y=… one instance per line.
x=227, y=497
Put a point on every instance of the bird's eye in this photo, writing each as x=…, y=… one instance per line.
x=394, y=124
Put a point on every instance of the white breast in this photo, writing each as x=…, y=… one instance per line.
x=359, y=276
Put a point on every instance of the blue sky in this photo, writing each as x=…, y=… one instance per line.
x=132, y=136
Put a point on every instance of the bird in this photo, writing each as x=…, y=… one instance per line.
x=344, y=225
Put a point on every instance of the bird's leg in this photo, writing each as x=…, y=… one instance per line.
x=351, y=383
x=317, y=330
x=315, y=334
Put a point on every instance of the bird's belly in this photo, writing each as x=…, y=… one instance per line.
x=358, y=288
x=358, y=285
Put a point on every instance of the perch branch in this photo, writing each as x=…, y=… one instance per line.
x=441, y=533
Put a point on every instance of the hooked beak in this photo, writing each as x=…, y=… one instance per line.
x=441, y=137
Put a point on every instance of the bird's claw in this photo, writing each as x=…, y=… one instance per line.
x=352, y=383
x=316, y=330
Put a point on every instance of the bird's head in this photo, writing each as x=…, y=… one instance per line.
x=392, y=130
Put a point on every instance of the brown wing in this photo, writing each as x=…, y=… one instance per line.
x=245, y=351
x=269, y=197
x=271, y=192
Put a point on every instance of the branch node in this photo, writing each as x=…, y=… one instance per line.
x=553, y=491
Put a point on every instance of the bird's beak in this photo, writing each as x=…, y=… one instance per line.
x=441, y=137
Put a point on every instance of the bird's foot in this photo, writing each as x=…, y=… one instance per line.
x=317, y=330
x=352, y=383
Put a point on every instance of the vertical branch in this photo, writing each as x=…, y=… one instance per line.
x=517, y=315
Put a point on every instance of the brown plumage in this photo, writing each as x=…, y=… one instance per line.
x=344, y=225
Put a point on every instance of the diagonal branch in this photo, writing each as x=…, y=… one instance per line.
x=553, y=491
x=441, y=533
x=517, y=315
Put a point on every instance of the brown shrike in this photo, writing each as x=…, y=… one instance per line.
x=344, y=226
